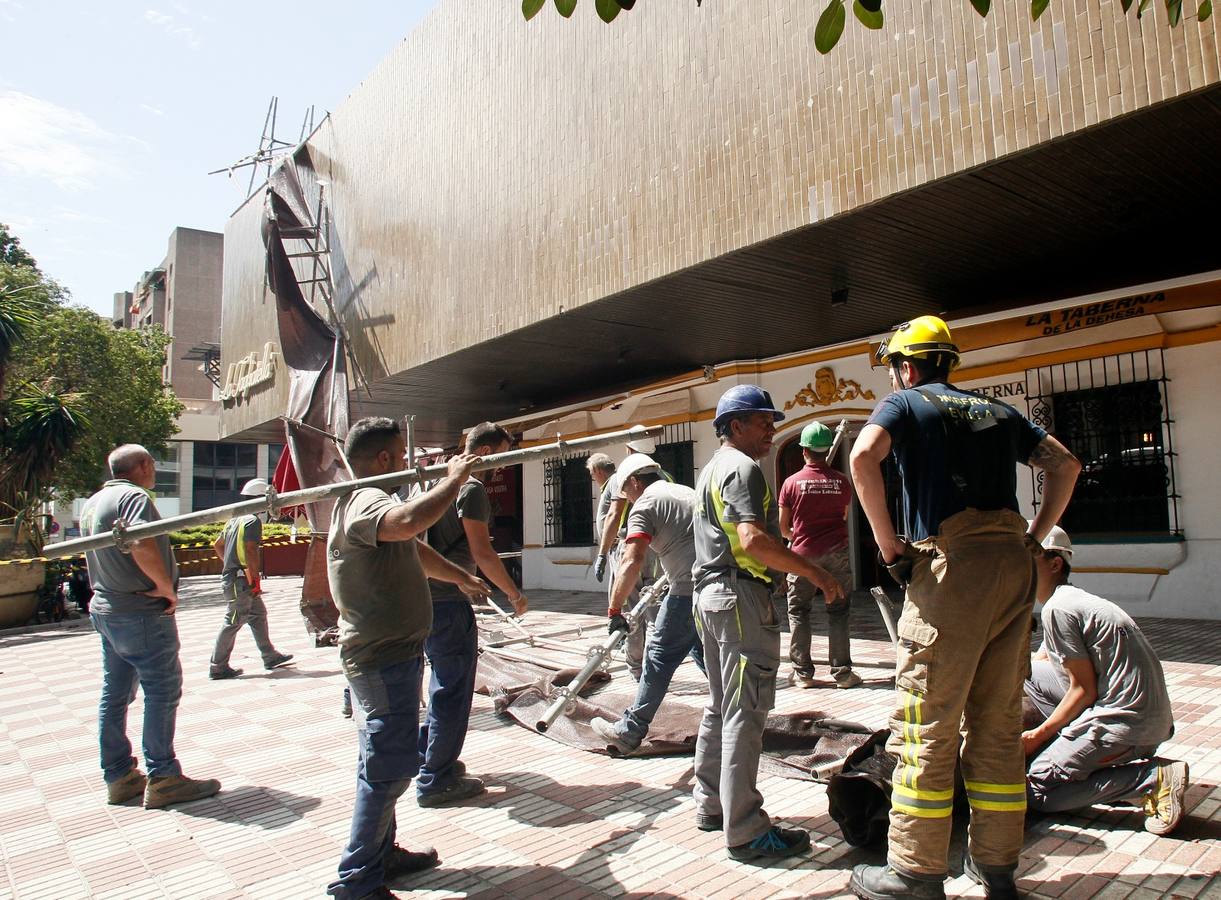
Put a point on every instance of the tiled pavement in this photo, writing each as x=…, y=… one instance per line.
x=556, y=822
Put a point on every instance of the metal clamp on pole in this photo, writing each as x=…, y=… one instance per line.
x=122, y=540
x=273, y=502
x=599, y=655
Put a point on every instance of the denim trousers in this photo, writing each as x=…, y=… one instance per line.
x=138, y=649
x=453, y=651
x=386, y=707
x=673, y=637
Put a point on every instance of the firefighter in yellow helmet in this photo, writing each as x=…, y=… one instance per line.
x=968, y=564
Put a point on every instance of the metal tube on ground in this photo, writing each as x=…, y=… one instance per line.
x=598, y=655
x=273, y=501
x=887, y=609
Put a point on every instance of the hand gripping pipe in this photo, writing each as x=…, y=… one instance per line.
x=598, y=655
x=124, y=535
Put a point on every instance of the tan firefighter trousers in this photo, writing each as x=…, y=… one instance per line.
x=964, y=651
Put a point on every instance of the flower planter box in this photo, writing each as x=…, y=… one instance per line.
x=285, y=558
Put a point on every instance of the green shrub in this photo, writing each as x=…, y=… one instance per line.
x=206, y=535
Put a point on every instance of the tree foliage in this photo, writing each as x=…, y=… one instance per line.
x=830, y=27
x=11, y=251
x=115, y=375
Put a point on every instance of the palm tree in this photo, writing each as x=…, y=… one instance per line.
x=20, y=308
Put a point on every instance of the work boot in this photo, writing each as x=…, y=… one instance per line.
x=380, y=893
x=803, y=680
x=848, y=680
x=775, y=843
x=1164, y=804
x=346, y=710
x=276, y=661
x=709, y=822
x=997, y=882
x=884, y=883
x=459, y=789
x=400, y=861
x=170, y=789
x=616, y=744
x=220, y=673
x=126, y=788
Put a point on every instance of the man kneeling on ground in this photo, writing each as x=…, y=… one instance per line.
x=1100, y=688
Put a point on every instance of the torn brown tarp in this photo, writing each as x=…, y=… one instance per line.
x=318, y=384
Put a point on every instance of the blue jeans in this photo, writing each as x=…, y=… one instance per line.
x=386, y=706
x=138, y=649
x=453, y=652
x=673, y=638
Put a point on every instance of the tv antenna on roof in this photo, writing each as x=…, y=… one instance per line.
x=271, y=148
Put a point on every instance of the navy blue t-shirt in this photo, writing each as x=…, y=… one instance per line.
x=955, y=450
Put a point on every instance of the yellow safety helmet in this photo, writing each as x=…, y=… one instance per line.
x=924, y=337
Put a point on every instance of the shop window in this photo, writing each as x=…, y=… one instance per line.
x=1114, y=414
x=167, y=471
x=274, y=452
x=568, y=504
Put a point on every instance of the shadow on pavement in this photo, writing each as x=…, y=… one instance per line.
x=252, y=806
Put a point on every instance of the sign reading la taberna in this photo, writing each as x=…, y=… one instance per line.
x=249, y=374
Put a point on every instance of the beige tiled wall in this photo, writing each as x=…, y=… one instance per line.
x=490, y=172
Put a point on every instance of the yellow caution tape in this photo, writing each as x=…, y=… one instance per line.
x=283, y=542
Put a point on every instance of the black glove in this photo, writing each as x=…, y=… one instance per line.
x=600, y=567
x=900, y=569
x=618, y=623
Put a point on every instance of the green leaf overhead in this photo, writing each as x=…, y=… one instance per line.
x=872, y=5
x=1174, y=11
x=565, y=7
x=982, y=6
x=530, y=8
x=830, y=26
x=1206, y=10
x=1037, y=8
x=874, y=20
x=607, y=10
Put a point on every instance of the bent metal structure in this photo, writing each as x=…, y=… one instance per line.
x=704, y=200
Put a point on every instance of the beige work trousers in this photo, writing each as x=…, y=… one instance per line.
x=964, y=652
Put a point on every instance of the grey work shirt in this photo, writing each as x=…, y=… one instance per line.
x=119, y=585
x=663, y=516
x=379, y=587
x=235, y=534
x=448, y=535
x=731, y=489
x=1132, y=698
x=604, y=502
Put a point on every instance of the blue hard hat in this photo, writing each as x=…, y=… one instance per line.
x=745, y=398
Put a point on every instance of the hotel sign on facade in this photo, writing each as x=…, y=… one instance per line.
x=251, y=373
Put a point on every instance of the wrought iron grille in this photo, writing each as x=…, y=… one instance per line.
x=1114, y=413
x=676, y=453
x=568, y=502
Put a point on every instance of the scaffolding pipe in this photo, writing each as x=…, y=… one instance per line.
x=840, y=430
x=887, y=609
x=123, y=535
x=598, y=655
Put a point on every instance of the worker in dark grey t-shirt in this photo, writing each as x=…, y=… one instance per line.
x=660, y=520
x=378, y=573
x=239, y=547
x=1101, y=691
x=135, y=595
x=463, y=537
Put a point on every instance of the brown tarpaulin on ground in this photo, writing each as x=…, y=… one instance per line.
x=318, y=383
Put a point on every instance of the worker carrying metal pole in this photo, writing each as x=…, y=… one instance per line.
x=660, y=520
x=967, y=562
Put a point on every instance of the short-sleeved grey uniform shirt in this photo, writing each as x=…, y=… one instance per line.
x=1132, y=697
x=235, y=534
x=604, y=502
x=731, y=489
x=448, y=536
x=664, y=517
x=379, y=587
x=119, y=585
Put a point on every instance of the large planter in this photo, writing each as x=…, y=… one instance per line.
x=19, y=583
x=196, y=561
x=285, y=558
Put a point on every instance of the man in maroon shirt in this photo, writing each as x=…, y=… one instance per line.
x=814, y=517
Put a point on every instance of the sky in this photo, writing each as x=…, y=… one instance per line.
x=112, y=114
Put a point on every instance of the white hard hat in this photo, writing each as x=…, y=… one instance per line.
x=641, y=444
x=255, y=487
x=1057, y=540
x=637, y=464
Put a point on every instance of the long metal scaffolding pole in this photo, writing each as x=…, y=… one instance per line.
x=124, y=535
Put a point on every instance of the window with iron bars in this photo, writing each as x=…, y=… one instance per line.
x=1114, y=413
x=676, y=453
x=568, y=502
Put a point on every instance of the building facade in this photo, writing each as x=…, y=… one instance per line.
x=706, y=199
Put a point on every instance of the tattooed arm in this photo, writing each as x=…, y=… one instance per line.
x=1060, y=470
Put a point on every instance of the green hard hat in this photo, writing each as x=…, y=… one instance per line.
x=816, y=436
